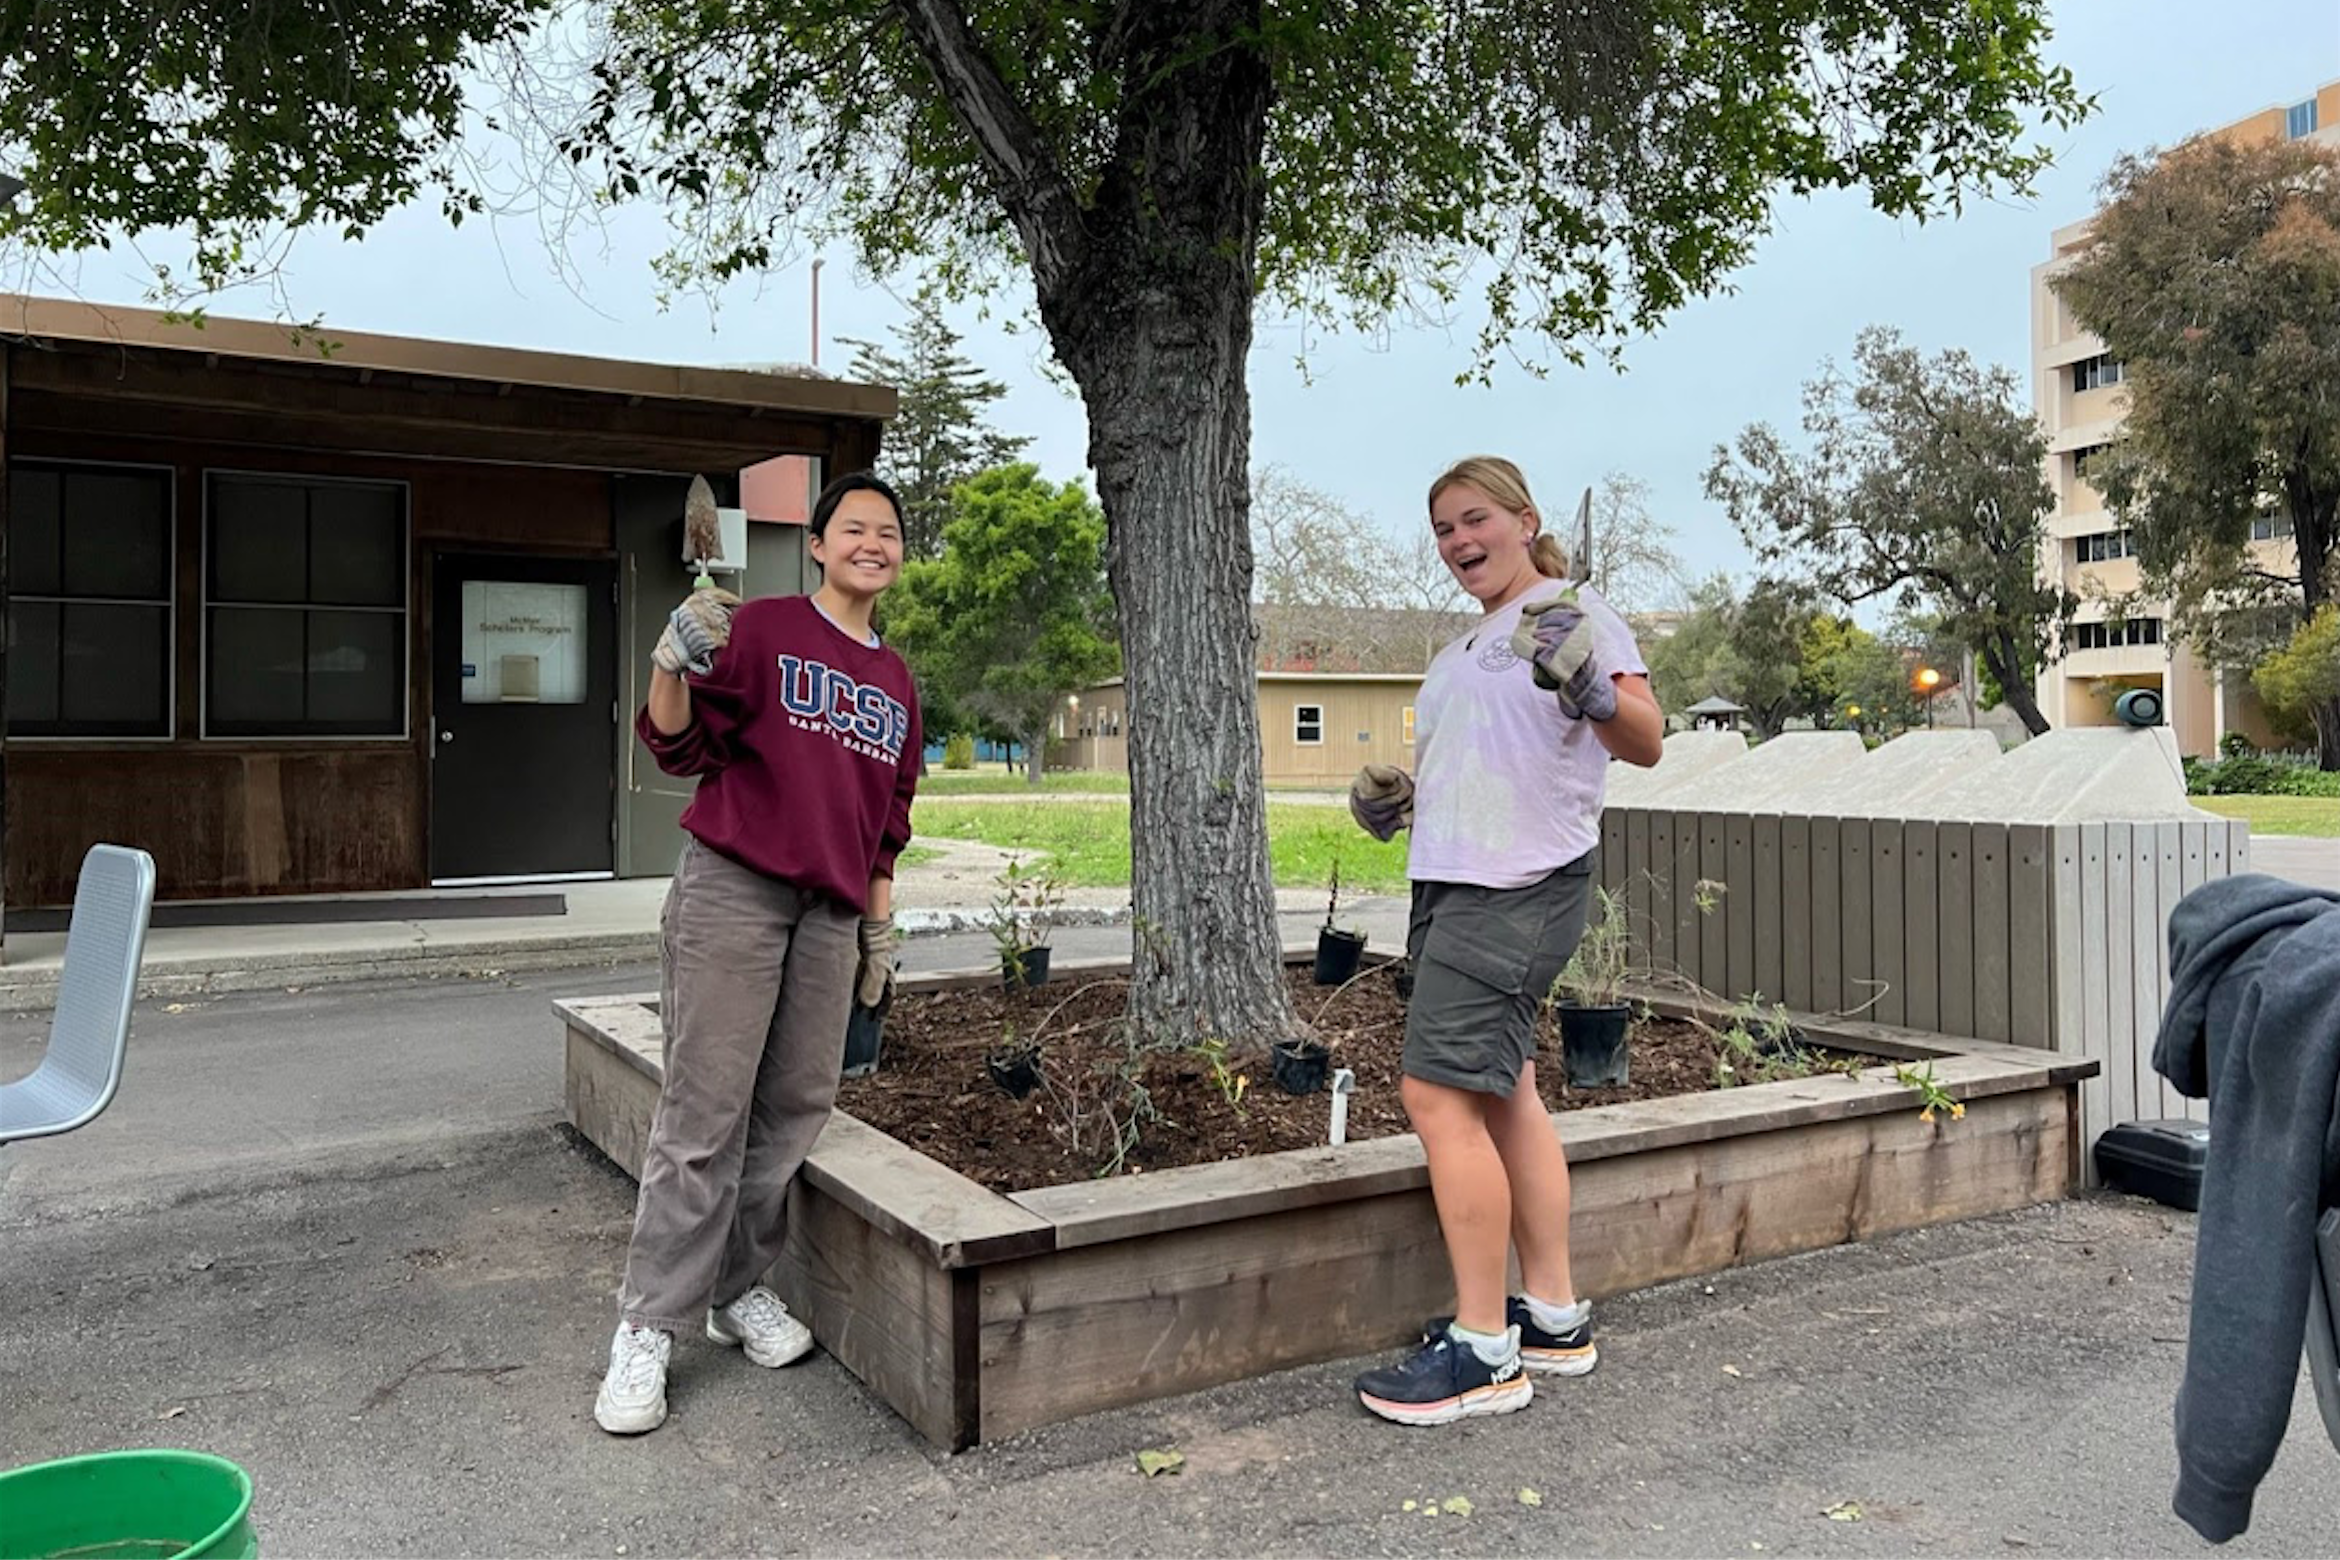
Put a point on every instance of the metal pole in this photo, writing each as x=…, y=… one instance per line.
x=816, y=313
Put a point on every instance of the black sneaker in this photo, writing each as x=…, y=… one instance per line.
x=1546, y=1354
x=1444, y=1381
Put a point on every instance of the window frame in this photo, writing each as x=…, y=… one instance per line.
x=2299, y=120
x=1297, y=739
x=1406, y=725
x=2100, y=372
x=404, y=611
x=169, y=603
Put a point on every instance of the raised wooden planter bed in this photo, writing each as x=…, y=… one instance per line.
x=976, y=1315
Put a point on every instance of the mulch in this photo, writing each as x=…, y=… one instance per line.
x=933, y=1092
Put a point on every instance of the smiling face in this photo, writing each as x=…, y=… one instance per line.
x=1483, y=544
x=860, y=549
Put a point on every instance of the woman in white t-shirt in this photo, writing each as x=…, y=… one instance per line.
x=1514, y=729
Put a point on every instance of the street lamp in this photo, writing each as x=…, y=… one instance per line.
x=1927, y=681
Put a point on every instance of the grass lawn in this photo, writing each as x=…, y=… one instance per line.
x=991, y=780
x=2317, y=817
x=917, y=856
x=1089, y=841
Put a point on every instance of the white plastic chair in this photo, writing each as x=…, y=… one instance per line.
x=96, y=989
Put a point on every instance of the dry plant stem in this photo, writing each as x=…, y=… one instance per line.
x=1326, y=1006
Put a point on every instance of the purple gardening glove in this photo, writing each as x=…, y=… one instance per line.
x=1381, y=799
x=1556, y=639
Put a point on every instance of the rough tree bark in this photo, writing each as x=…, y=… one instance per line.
x=2000, y=656
x=1146, y=291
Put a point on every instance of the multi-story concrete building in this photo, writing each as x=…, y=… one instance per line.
x=2077, y=391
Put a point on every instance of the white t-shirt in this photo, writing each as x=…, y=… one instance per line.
x=1506, y=787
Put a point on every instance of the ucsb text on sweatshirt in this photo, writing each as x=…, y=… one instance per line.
x=806, y=746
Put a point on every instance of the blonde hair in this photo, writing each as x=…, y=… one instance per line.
x=1506, y=484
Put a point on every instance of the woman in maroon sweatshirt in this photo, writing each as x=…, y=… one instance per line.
x=803, y=732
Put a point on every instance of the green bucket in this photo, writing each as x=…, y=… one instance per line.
x=148, y=1505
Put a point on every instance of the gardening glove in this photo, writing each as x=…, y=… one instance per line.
x=695, y=631
x=1555, y=638
x=1381, y=799
x=873, y=982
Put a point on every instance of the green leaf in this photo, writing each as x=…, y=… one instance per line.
x=1150, y=1463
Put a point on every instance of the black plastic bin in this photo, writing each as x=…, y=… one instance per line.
x=2158, y=1159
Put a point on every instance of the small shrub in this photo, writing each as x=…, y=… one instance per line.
x=959, y=751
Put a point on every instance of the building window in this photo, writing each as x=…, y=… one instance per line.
x=2087, y=461
x=1406, y=725
x=2300, y=119
x=89, y=621
x=2108, y=636
x=304, y=631
x=2271, y=528
x=1308, y=724
x=2097, y=373
x=2105, y=546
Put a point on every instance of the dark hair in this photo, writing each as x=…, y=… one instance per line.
x=851, y=482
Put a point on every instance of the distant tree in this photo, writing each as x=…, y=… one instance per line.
x=2213, y=274
x=2300, y=684
x=1750, y=649
x=938, y=438
x=1634, y=563
x=1922, y=485
x=1014, y=615
x=1321, y=566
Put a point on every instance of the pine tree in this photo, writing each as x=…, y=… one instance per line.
x=938, y=438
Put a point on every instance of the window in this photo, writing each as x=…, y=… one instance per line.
x=2299, y=120
x=304, y=630
x=2096, y=373
x=2108, y=636
x=2105, y=546
x=1406, y=725
x=2270, y=528
x=89, y=647
x=1308, y=724
x=2088, y=460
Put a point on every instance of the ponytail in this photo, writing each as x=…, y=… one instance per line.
x=1549, y=557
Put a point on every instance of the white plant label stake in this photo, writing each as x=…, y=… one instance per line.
x=1343, y=1081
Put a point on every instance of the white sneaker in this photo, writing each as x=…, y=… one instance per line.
x=759, y=1322
x=633, y=1394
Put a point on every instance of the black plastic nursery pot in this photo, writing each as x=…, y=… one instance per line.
x=1337, y=953
x=865, y=1034
x=1029, y=967
x=1405, y=983
x=1593, y=1050
x=1299, y=1066
x=1017, y=1072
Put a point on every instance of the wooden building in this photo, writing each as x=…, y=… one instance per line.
x=1316, y=728
x=340, y=614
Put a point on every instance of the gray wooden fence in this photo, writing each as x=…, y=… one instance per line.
x=2048, y=932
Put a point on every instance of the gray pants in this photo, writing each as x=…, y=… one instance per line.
x=755, y=989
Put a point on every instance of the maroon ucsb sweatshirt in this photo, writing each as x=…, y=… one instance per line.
x=806, y=744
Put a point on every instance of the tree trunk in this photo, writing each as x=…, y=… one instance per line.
x=2015, y=688
x=1170, y=440
x=1035, y=755
x=2326, y=717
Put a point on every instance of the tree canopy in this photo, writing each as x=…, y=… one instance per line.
x=2213, y=275
x=1567, y=173
x=1013, y=615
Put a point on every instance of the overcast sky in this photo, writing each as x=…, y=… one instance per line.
x=1374, y=421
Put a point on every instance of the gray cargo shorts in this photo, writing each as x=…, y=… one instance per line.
x=1484, y=960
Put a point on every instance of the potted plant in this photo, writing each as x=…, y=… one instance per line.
x=1338, y=948
x=1022, y=916
x=1595, y=1018
x=1014, y=1064
x=1299, y=1064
